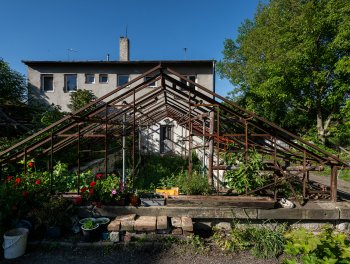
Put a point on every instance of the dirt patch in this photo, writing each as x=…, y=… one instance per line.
x=131, y=253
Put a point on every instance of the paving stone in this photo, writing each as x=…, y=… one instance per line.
x=342, y=226
x=186, y=224
x=114, y=236
x=162, y=222
x=114, y=226
x=146, y=224
x=127, y=225
x=127, y=237
x=176, y=231
x=176, y=221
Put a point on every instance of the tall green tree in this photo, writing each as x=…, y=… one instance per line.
x=291, y=63
x=13, y=86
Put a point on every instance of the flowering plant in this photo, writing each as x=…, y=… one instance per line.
x=104, y=189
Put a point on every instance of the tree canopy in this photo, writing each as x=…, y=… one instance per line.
x=13, y=86
x=80, y=98
x=291, y=63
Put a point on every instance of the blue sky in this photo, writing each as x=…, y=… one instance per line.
x=157, y=29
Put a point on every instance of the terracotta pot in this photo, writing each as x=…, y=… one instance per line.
x=134, y=200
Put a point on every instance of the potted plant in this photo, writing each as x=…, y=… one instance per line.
x=90, y=230
x=134, y=199
x=55, y=214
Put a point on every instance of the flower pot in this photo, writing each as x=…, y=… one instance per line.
x=103, y=223
x=82, y=221
x=91, y=235
x=134, y=200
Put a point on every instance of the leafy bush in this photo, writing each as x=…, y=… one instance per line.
x=263, y=241
x=249, y=176
x=326, y=247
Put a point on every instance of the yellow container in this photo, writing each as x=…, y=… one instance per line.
x=166, y=192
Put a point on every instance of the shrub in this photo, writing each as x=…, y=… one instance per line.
x=304, y=246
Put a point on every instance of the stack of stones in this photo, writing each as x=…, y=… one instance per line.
x=127, y=225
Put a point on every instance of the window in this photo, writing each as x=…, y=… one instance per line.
x=122, y=79
x=47, y=83
x=166, y=138
x=89, y=78
x=70, y=82
x=152, y=84
x=103, y=78
x=192, y=78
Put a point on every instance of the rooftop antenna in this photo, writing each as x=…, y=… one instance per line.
x=69, y=51
x=126, y=31
x=185, y=50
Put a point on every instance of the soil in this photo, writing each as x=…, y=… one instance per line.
x=131, y=253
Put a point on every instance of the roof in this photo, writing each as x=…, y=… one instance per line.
x=141, y=62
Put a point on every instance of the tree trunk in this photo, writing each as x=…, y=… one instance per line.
x=322, y=127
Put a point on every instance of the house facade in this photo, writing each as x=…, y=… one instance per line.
x=53, y=82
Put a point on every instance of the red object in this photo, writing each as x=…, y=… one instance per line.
x=92, y=184
x=25, y=193
x=78, y=200
x=9, y=178
x=30, y=164
x=38, y=182
x=18, y=180
x=91, y=191
x=84, y=189
x=99, y=176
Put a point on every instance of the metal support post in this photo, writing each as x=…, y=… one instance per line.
x=124, y=148
x=334, y=171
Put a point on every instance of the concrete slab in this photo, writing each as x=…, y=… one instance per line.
x=146, y=224
x=299, y=213
x=186, y=224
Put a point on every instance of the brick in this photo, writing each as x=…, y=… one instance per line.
x=176, y=231
x=176, y=221
x=146, y=224
x=186, y=224
x=114, y=226
x=114, y=236
x=162, y=222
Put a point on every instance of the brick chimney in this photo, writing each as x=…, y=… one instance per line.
x=124, y=49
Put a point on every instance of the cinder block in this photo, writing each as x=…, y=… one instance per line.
x=186, y=224
x=146, y=224
x=114, y=236
x=176, y=221
x=128, y=217
x=187, y=233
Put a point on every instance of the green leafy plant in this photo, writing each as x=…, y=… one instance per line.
x=325, y=247
x=263, y=241
x=89, y=224
x=249, y=176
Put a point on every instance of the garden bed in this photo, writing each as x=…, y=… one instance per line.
x=220, y=200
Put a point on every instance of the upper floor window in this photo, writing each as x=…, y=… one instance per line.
x=191, y=78
x=152, y=84
x=70, y=82
x=122, y=79
x=89, y=78
x=47, y=82
x=103, y=78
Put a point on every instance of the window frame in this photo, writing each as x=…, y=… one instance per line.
x=150, y=85
x=122, y=75
x=102, y=75
x=43, y=76
x=86, y=78
x=66, y=79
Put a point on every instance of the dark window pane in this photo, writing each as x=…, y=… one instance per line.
x=71, y=82
x=153, y=84
x=103, y=78
x=48, y=83
x=123, y=79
